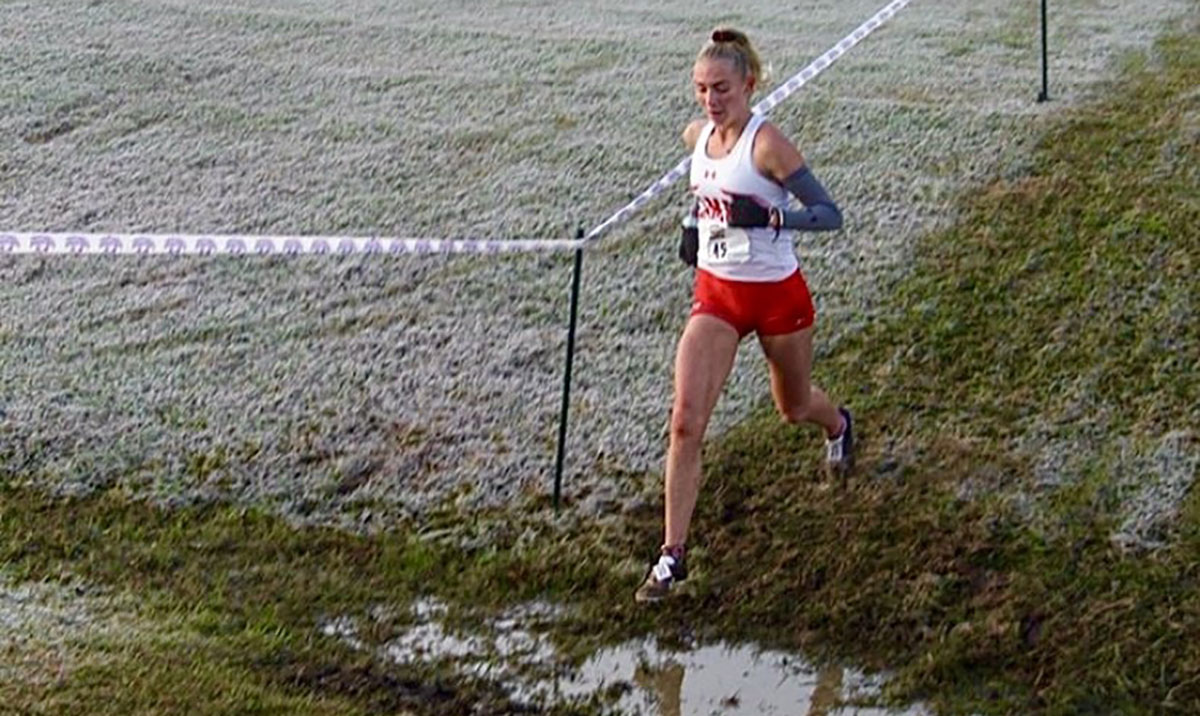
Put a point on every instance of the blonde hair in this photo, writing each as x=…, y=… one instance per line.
x=726, y=43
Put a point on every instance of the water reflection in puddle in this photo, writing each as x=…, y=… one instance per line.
x=721, y=679
x=636, y=678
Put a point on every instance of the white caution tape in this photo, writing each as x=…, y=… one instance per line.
x=772, y=100
x=42, y=243
x=47, y=243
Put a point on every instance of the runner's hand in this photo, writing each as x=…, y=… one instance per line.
x=747, y=213
x=689, y=239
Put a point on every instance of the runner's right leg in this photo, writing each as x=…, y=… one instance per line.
x=702, y=363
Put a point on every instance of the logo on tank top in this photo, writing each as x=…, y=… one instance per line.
x=715, y=209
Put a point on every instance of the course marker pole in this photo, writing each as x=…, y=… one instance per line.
x=1045, y=94
x=566, y=392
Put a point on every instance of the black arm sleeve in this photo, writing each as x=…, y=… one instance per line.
x=820, y=213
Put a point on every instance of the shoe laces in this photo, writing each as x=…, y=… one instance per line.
x=834, y=448
x=662, y=569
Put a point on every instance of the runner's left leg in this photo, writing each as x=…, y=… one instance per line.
x=799, y=401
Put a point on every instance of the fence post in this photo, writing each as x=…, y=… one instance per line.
x=566, y=391
x=1045, y=94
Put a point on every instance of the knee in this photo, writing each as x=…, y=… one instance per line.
x=687, y=426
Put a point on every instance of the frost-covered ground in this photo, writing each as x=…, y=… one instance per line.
x=43, y=628
x=355, y=390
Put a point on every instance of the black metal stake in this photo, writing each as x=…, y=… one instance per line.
x=1045, y=95
x=566, y=393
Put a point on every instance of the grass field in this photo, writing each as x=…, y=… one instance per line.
x=1020, y=536
x=334, y=390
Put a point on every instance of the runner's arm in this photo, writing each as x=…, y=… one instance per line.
x=777, y=158
x=820, y=213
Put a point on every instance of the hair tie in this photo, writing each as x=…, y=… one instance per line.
x=723, y=36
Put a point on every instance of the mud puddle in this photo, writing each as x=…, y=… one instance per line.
x=637, y=677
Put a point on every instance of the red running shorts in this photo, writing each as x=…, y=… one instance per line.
x=769, y=308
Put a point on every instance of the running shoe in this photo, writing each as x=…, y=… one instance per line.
x=839, y=451
x=663, y=575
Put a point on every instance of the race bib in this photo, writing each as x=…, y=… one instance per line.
x=722, y=244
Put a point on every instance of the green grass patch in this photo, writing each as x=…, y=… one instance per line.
x=184, y=675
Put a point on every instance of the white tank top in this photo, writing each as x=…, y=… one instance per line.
x=730, y=253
